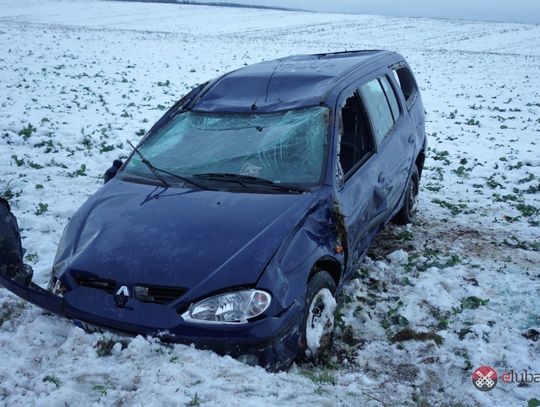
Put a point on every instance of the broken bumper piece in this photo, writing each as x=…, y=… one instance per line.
x=20, y=283
x=271, y=342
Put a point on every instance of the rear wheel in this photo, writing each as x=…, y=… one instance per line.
x=408, y=211
x=318, y=326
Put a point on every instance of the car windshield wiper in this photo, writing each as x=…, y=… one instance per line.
x=152, y=169
x=156, y=171
x=247, y=179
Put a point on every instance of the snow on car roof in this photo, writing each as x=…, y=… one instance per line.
x=285, y=83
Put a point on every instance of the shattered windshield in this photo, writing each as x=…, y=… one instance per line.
x=287, y=147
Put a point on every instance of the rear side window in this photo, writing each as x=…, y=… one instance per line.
x=391, y=96
x=378, y=108
x=406, y=80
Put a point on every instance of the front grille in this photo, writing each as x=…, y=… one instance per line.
x=97, y=283
x=158, y=294
x=144, y=293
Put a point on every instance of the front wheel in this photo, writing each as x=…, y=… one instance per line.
x=408, y=211
x=318, y=326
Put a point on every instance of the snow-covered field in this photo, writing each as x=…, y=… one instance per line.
x=458, y=289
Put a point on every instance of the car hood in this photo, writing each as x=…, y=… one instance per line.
x=203, y=241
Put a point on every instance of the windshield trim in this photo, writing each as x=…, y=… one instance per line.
x=256, y=111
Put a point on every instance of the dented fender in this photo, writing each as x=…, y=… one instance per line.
x=320, y=235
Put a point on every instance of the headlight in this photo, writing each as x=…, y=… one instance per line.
x=233, y=308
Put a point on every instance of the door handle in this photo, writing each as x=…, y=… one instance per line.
x=411, y=138
x=380, y=179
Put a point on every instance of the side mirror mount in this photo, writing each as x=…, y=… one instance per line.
x=111, y=172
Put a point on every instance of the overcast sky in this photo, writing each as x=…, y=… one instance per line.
x=497, y=10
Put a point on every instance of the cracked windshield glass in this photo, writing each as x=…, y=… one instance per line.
x=287, y=147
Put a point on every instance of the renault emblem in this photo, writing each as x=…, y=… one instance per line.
x=122, y=296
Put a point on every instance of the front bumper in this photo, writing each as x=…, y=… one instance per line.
x=271, y=342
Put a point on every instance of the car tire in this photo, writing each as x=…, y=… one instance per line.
x=319, y=312
x=408, y=211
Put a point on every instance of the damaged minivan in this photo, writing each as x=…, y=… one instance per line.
x=240, y=215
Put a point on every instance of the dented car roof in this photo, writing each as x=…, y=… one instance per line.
x=286, y=83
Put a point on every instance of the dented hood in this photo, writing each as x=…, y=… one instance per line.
x=142, y=234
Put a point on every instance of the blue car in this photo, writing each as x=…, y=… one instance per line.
x=241, y=214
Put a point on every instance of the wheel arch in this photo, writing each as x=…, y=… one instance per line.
x=421, y=158
x=329, y=264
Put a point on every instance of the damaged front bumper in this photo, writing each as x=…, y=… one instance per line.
x=21, y=285
x=271, y=342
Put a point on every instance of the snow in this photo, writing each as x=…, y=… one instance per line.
x=398, y=257
x=87, y=75
x=321, y=323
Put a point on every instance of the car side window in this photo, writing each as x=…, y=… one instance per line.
x=356, y=139
x=391, y=97
x=378, y=108
x=407, y=83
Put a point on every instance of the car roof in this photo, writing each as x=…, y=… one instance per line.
x=286, y=83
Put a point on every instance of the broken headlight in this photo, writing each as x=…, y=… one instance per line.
x=233, y=307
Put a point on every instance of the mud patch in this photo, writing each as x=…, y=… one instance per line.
x=11, y=309
x=435, y=236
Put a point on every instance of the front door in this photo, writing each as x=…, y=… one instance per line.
x=362, y=203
